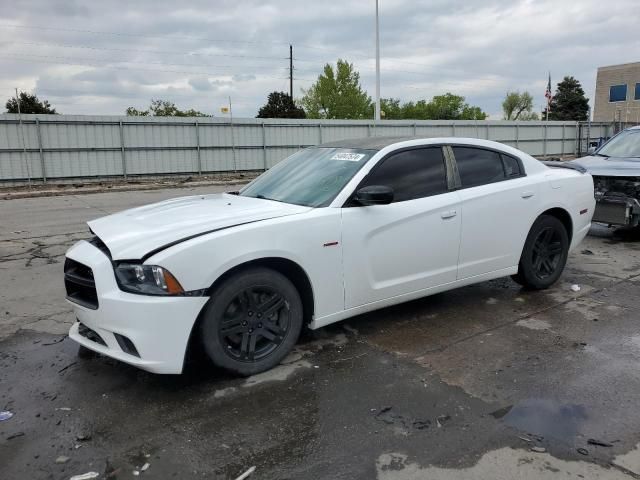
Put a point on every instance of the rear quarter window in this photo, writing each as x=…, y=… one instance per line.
x=512, y=166
x=478, y=167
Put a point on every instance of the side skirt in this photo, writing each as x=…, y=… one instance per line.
x=351, y=312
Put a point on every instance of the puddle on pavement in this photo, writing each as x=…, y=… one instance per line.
x=545, y=417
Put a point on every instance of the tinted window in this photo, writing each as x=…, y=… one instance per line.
x=412, y=174
x=477, y=166
x=637, y=95
x=511, y=166
x=617, y=93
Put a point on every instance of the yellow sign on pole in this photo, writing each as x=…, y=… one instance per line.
x=224, y=109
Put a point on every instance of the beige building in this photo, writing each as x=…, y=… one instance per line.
x=618, y=94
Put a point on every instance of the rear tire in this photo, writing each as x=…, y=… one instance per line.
x=252, y=321
x=544, y=255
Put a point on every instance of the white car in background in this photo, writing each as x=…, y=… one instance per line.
x=330, y=232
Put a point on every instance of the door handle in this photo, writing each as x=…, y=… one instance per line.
x=449, y=214
x=527, y=194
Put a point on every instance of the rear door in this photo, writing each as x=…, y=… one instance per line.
x=410, y=244
x=498, y=205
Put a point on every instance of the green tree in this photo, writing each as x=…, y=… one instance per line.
x=29, y=103
x=415, y=110
x=134, y=112
x=441, y=107
x=390, y=109
x=337, y=94
x=518, y=106
x=445, y=107
x=569, y=102
x=452, y=107
x=280, y=105
x=472, y=113
x=164, y=108
x=529, y=116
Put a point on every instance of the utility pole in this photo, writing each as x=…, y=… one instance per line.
x=377, y=118
x=291, y=71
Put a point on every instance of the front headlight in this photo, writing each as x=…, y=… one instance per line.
x=147, y=280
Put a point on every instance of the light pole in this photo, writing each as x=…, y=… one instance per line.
x=377, y=117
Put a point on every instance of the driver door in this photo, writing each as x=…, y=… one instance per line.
x=410, y=244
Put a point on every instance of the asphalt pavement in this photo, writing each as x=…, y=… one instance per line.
x=487, y=381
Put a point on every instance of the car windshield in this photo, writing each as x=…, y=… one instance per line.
x=624, y=145
x=312, y=177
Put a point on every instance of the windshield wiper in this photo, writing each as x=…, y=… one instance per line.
x=262, y=197
x=601, y=155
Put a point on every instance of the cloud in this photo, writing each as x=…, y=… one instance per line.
x=243, y=77
x=201, y=84
x=100, y=57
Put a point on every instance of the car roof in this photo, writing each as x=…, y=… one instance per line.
x=368, y=143
x=388, y=144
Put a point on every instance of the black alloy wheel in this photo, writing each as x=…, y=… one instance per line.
x=251, y=321
x=544, y=254
x=254, y=323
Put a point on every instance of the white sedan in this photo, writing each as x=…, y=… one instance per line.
x=330, y=232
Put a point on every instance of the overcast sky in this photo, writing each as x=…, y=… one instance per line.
x=101, y=57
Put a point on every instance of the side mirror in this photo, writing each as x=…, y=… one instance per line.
x=374, y=195
x=591, y=150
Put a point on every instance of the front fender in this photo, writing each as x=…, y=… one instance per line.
x=197, y=263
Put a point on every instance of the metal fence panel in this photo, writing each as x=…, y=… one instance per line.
x=279, y=135
x=334, y=132
x=74, y=146
x=274, y=155
x=140, y=162
x=17, y=165
x=219, y=160
x=217, y=135
x=12, y=136
x=150, y=135
x=69, y=164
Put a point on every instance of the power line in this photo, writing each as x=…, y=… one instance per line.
x=84, y=62
x=167, y=95
x=162, y=52
x=20, y=54
x=137, y=35
x=112, y=67
x=208, y=39
x=164, y=37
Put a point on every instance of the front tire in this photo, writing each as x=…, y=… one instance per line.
x=252, y=321
x=544, y=255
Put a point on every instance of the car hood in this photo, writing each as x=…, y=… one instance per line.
x=135, y=233
x=610, y=166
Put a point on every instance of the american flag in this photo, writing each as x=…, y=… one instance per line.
x=547, y=94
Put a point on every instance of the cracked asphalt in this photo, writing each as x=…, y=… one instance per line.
x=487, y=381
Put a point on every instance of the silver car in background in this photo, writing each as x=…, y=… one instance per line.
x=615, y=167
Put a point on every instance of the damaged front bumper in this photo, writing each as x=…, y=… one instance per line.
x=617, y=200
x=149, y=332
x=617, y=209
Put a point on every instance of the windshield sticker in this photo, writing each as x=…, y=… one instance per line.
x=348, y=157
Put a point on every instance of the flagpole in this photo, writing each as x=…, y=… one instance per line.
x=548, y=96
x=377, y=105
